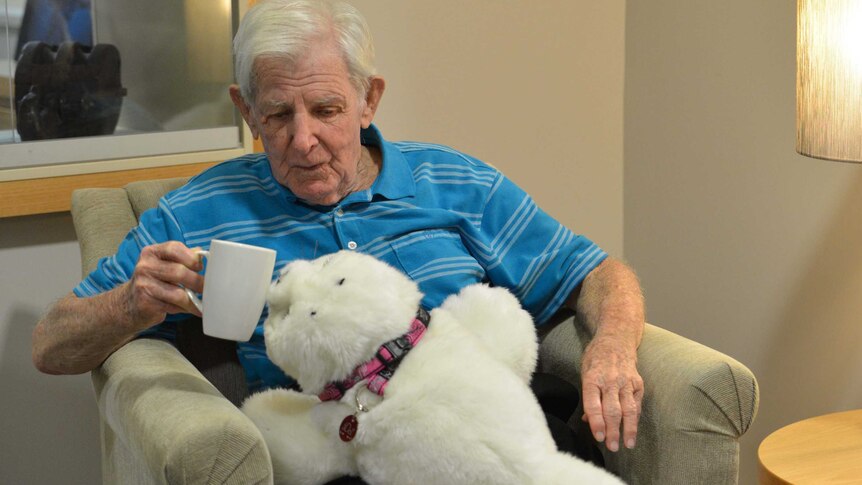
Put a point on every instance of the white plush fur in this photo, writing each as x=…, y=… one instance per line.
x=457, y=411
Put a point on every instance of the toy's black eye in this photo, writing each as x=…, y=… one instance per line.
x=341, y=282
x=313, y=313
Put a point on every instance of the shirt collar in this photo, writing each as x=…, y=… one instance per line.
x=395, y=180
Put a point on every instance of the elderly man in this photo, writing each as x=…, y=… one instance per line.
x=327, y=181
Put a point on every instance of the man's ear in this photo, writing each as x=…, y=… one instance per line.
x=372, y=99
x=244, y=109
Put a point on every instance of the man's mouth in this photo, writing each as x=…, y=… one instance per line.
x=311, y=167
x=311, y=172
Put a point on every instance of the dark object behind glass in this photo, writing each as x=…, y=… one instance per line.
x=67, y=90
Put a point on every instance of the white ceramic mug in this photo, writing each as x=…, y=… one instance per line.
x=235, y=285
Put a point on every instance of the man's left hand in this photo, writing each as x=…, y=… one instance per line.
x=612, y=391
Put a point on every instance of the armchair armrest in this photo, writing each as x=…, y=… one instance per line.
x=697, y=403
x=160, y=414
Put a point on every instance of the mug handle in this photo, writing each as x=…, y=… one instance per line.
x=192, y=296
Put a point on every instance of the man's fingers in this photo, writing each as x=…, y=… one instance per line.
x=593, y=411
x=172, y=262
x=612, y=416
x=176, y=252
x=175, y=274
x=155, y=296
x=613, y=412
x=630, y=403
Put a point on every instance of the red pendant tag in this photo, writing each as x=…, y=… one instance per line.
x=347, y=431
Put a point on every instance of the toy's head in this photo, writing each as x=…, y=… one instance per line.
x=331, y=314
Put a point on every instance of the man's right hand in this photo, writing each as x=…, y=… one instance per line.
x=78, y=334
x=156, y=288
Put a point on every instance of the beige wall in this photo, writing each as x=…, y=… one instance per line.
x=740, y=243
x=533, y=87
x=49, y=428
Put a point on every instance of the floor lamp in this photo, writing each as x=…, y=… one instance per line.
x=829, y=79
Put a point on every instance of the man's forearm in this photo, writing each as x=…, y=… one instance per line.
x=78, y=334
x=610, y=303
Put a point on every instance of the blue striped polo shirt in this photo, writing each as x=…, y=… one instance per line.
x=444, y=218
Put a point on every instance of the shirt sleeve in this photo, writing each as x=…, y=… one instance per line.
x=156, y=225
x=530, y=253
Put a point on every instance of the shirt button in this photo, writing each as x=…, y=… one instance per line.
x=352, y=245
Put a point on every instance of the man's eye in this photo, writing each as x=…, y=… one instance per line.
x=275, y=115
x=328, y=112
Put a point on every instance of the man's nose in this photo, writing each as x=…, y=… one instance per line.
x=304, y=138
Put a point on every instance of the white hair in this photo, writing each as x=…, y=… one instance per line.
x=286, y=29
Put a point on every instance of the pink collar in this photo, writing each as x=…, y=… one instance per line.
x=380, y=368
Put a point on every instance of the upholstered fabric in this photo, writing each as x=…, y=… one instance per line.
x=167, y=417
x=164, y=422
x=145, y=194
x=215, y=358
x=102, y=218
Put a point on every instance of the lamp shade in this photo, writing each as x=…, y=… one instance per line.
x=829, y=79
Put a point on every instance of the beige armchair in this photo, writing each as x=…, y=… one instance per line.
x=162, y=421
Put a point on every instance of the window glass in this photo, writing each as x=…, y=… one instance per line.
x=142, y=77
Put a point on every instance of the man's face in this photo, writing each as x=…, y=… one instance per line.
x=308, y=116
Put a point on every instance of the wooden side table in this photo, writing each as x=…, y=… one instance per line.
x=822, y=450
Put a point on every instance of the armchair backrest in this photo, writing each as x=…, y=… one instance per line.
x=103, y=216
